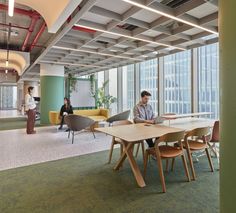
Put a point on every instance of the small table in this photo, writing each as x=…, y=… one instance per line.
x=131, y=134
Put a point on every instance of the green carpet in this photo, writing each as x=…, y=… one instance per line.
x=85, y=184
x=14, y=123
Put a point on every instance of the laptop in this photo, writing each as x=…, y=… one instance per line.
x=158, y=120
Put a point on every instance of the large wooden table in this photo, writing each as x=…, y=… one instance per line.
x=130, y=134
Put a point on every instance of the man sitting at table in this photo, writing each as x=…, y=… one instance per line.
x=143, y=113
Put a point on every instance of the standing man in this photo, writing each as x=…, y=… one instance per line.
x=30, y=108
x=143, y=113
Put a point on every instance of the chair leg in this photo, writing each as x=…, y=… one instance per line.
x=92, y=130
x=121, y=149
x=143, y=149
x=73, y=135
x=145, y=160
x=172, y=164
x=159, y=165
x=136, y=154
x=185, y=167
x=167, y=165
x=111, y=151
x=191, y=164
x=69, y=134
x=209, y=159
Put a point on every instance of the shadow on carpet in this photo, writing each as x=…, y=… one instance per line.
x=86, y=184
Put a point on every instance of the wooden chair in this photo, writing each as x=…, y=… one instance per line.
x=118, y=141
x=170, y=113
x=214, y=139
x=195, y=141
x=167, y=152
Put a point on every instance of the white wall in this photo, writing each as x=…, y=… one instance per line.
x=81, y=97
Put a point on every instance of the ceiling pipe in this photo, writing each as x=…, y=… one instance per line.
x=83, y=29
x=31, y=29
x=14, y=26
x=35, y=16
x=37, y=36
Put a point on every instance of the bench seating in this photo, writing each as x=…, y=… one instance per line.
x=95, y=114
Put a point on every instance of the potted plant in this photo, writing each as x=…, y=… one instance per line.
x=101, y=99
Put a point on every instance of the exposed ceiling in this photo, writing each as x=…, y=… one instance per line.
x=27, y=31
x=103, y=34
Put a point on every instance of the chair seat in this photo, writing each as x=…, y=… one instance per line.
x=195, y=145
x=167, y=151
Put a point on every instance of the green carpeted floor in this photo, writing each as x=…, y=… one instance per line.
x=86, y=184
x=14, y=123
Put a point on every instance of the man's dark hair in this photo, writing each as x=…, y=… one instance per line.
x=30, y=88
x=145, y=93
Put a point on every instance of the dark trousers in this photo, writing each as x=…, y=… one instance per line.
x=62, y=120
x=150, y=142
x=30, y=121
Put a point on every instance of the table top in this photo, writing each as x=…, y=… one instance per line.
x=141, y=131
x=185, y=115
x=136, y=132
x=190, y=123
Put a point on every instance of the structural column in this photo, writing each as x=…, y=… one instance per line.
x=52, y=90
x=227, y=27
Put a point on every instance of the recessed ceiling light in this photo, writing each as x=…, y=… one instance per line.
x=169, y=16
x=11, y=7
x=130, y=37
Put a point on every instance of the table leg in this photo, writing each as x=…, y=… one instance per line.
x=136, y=171
x=122, y=157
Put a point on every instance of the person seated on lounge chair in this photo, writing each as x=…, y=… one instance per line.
x=65, y=110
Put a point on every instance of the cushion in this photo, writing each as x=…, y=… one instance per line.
x=87, y=112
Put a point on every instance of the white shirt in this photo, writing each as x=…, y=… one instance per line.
x=29, y=102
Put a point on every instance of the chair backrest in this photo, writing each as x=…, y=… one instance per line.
x=171, y=137
x=119, y=117
x=198, y=132
x=216, y=132
x=122, y=122
x=78, y=122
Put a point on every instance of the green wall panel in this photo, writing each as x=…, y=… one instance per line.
x=227, y=27
x=52, y=94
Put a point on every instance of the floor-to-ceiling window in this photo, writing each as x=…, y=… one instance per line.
x=113, y=88
x=208, y=79
x=100, y=78
x=128, y=87
x=8, y=97
x=148, y=75
x=177, y=82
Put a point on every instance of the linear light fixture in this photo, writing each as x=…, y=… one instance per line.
x=169, y=16
x=70, y=64
x=11, y=7
x=98, y=53
x=130, y=37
